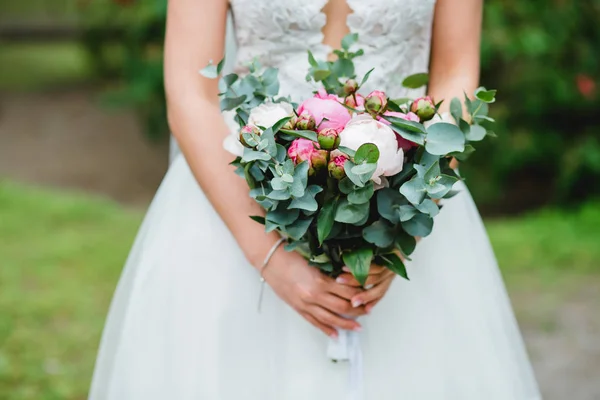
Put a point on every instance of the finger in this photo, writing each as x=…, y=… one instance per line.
x=328, y=318
x=326, y=329
x=339, y=306
x=350, y=280
x=346, y=292
x=369, y=307
x=370, y=295
x=374, y=270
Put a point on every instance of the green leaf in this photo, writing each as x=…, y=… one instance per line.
x=310, y=135
x=269, y=77
x=366, y=77
x=283, y=217
x=414, y=190
x=359, y=263
x=379, y=233
x=420, y=225
x=469, y=149
x=367, y=153
x=321, y=74
x=443, y=138
x=298, y=229
x=411, y=126
x=416, y=81
x=343, y=67
x=311, y=59
x=230, y=79
x=349, y=40
x=212, y=71
x=300, y=179
x=395, y=264
x=362, y=195
x=279, y=195
x=325, y=219
x=476, y=133
x=279, y=124
x=456, y=109
x=307, y=202
x=252, y=155
x=248, y=176
x=405, y=243
x=259, y=219
x=446, y=182
x=407, y=212
x=428, y=207
x=351, y=213
x=229, y=103
x=346, y=186
x=364, y=171
x=487, y=96
x=388, y=203
x=347, y=151
x=348, y=166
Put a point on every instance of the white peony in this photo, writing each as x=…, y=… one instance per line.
x=267, y=114
x=364, y=129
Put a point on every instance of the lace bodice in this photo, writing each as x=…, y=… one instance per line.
x=395, y=35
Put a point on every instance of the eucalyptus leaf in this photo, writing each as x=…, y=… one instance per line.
x=307, y=202
x=487, y=96
x=420, y=225
x=379, y=233
x=311, y=59
x=428, y=207
x=349, y=40
x=367, y=153
x=349, y=213
x=298, y=229
x=348, y=166
x=347, y=151
x=346, y=186
x=407, y=212
x=359, y=263
x=443, y=138
x=388, y=202
x=456, y=109
x=279, y=195
x=283, y=217
x=362, y=195
x=446, y=182
x=365, y=170
x=229, y=103
x=414, y=190
x=476, y=133
x=405, y=243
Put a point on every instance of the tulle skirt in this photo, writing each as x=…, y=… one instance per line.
x=183, y=323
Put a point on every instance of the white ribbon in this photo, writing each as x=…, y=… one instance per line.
x=347, y=348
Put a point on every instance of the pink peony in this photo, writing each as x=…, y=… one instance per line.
x=328, y=139
x=336, y=164
x=402, y=143
x=302, y=150
x=327, y=111
x=424, y=107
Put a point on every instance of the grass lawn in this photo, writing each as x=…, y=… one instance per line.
x=62, y=255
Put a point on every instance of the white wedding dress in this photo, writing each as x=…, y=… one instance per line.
x=183, y=324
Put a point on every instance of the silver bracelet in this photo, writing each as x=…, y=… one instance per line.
x=262, y=270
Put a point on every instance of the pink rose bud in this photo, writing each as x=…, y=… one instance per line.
x=318, y=160
x=424, y=107
x=336, y=164
x=328, y=138
x=356, y=101
x=248, y=129
x=376, y=102
x=301, y=150
x=306, y=122
x=350, y=87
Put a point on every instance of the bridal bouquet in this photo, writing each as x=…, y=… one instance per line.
x=349, y=178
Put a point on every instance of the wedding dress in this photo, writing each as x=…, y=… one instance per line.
x=183, y=323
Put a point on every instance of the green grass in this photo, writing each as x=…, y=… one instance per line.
x=31, y=66
x=62, y=255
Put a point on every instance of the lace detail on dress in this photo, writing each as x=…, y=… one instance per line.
x=395, y=35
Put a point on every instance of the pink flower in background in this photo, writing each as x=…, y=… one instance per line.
x=301, y=150
x=326, y=110
x=586, y=85
x=402, y=143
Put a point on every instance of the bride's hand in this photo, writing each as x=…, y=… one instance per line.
x=318, y=298
x=378, y=283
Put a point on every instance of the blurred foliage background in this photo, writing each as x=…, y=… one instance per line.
x=63, y=63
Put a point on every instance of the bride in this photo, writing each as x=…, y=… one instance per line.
x=183, y=323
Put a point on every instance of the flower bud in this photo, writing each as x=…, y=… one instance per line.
x=306, y=122
x=424, y=107
x=336, y=164
x=328, y=138
x=291, y=124
x=376, y=102
x=248, y=129
x=350, y=87
x=356, y=101
x=318, y=160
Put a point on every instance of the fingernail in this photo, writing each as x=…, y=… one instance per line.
x=356, y=303
x=339, y=279
x=357, y=328
x=346, y=269
x=334, y=335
